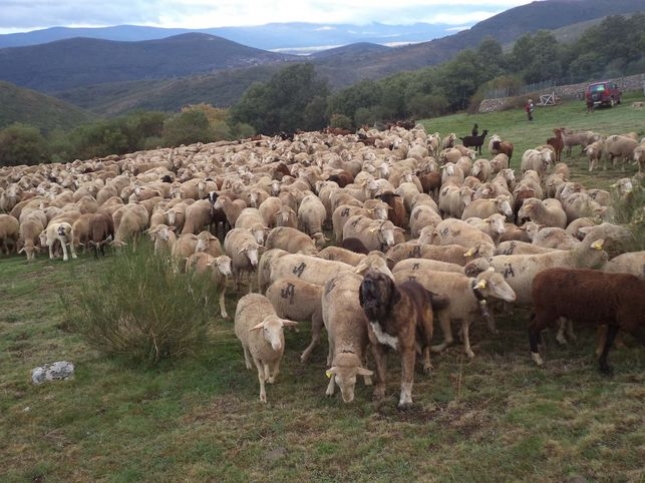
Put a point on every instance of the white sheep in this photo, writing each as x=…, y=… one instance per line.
x=467, y=298
x=346, y=326
x=30, y=230
x=240, y=245
x=261, y=334
x=484, y=207
x=375, y=234
x=548, y=212
x=218, y=268
x=291, y=240
x=519, y=270
x=9, y=232
x=296, y=299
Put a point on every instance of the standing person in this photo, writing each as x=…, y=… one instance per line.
x=529, y=107
x=474, y=131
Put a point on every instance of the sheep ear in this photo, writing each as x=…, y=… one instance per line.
x=361, y=371
x=257, y=327
x=21, y=250
x=585, y=229
x=289, y=323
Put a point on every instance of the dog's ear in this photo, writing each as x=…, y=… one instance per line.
x=361, y=300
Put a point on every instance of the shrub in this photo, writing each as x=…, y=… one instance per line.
x=139, y=308
x=340, y=121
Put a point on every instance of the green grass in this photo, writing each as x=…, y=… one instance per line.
x=495, y=418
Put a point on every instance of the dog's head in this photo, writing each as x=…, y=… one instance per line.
x=377, y=294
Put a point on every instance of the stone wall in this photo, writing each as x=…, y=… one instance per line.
x=572, y=91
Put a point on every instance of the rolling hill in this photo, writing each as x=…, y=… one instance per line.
x=112, y=77
x=39, y=110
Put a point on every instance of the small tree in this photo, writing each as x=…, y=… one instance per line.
x=141, y=309
x=22, y=144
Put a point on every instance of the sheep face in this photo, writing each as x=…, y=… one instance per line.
x=272, y=331
x=250, y=250
x=492, y=284
x=346, y=369
x=497, y=224
x=223, y=264
x=504, y=206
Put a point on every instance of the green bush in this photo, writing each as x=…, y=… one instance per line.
x=139, y=308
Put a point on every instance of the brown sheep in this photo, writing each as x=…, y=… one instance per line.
x=589, y=296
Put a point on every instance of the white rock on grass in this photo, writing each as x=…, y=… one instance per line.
x=50, y=372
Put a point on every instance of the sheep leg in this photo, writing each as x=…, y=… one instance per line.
x=562, y=324
x=272, y=371
x=465, y=327
x=612, y=330
x=444, y=321
x=263, y=393
x=222, y=305
x=331, y=386
x=316, y=327
x=247, y=358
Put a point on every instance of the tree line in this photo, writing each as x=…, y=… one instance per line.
x=298, y=98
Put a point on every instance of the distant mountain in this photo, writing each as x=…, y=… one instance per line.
x=78, y=62
x=286, y=37
x=112, y=77
x=39, y=110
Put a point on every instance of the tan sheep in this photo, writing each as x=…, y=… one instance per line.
x=9, y=232
x=240, y=245
x=291, y=240
x=264, y=267
x=346, y=326
x=219, y=270
x=30, y=231
x=261, y=334
x=546, y=213
x=340, y=254
x=298, y=300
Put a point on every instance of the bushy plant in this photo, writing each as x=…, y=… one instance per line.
x=139, y=307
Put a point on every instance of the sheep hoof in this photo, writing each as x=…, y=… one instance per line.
x=379, y=393
x=271, y=380
x=367, y=380
x=427, y=368
x=439, y=348
x=470, y=354
x=404, y=406
x=562, y=340
x=536, y=358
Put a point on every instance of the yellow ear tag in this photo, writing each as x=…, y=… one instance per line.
x=328, y=374
x=481, y=284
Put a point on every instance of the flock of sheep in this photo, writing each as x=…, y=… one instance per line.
x=256, y=216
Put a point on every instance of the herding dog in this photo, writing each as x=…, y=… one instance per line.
x=400, y=317
x=637, y=105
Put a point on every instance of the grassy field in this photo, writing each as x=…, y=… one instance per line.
x=492, y=419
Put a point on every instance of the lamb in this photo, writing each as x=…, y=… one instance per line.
x=9, y=232
x=218, y=269
x=467, y=298
x=504, y=147
x=557, y=142
x=261, y=333
x=296, y=299
x=61, y=232
x=291, y=240
x=546, y=213
x=240, y=245
x=589, y=296
x=346, y=326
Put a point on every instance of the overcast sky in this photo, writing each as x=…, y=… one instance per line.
x=26, y=15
